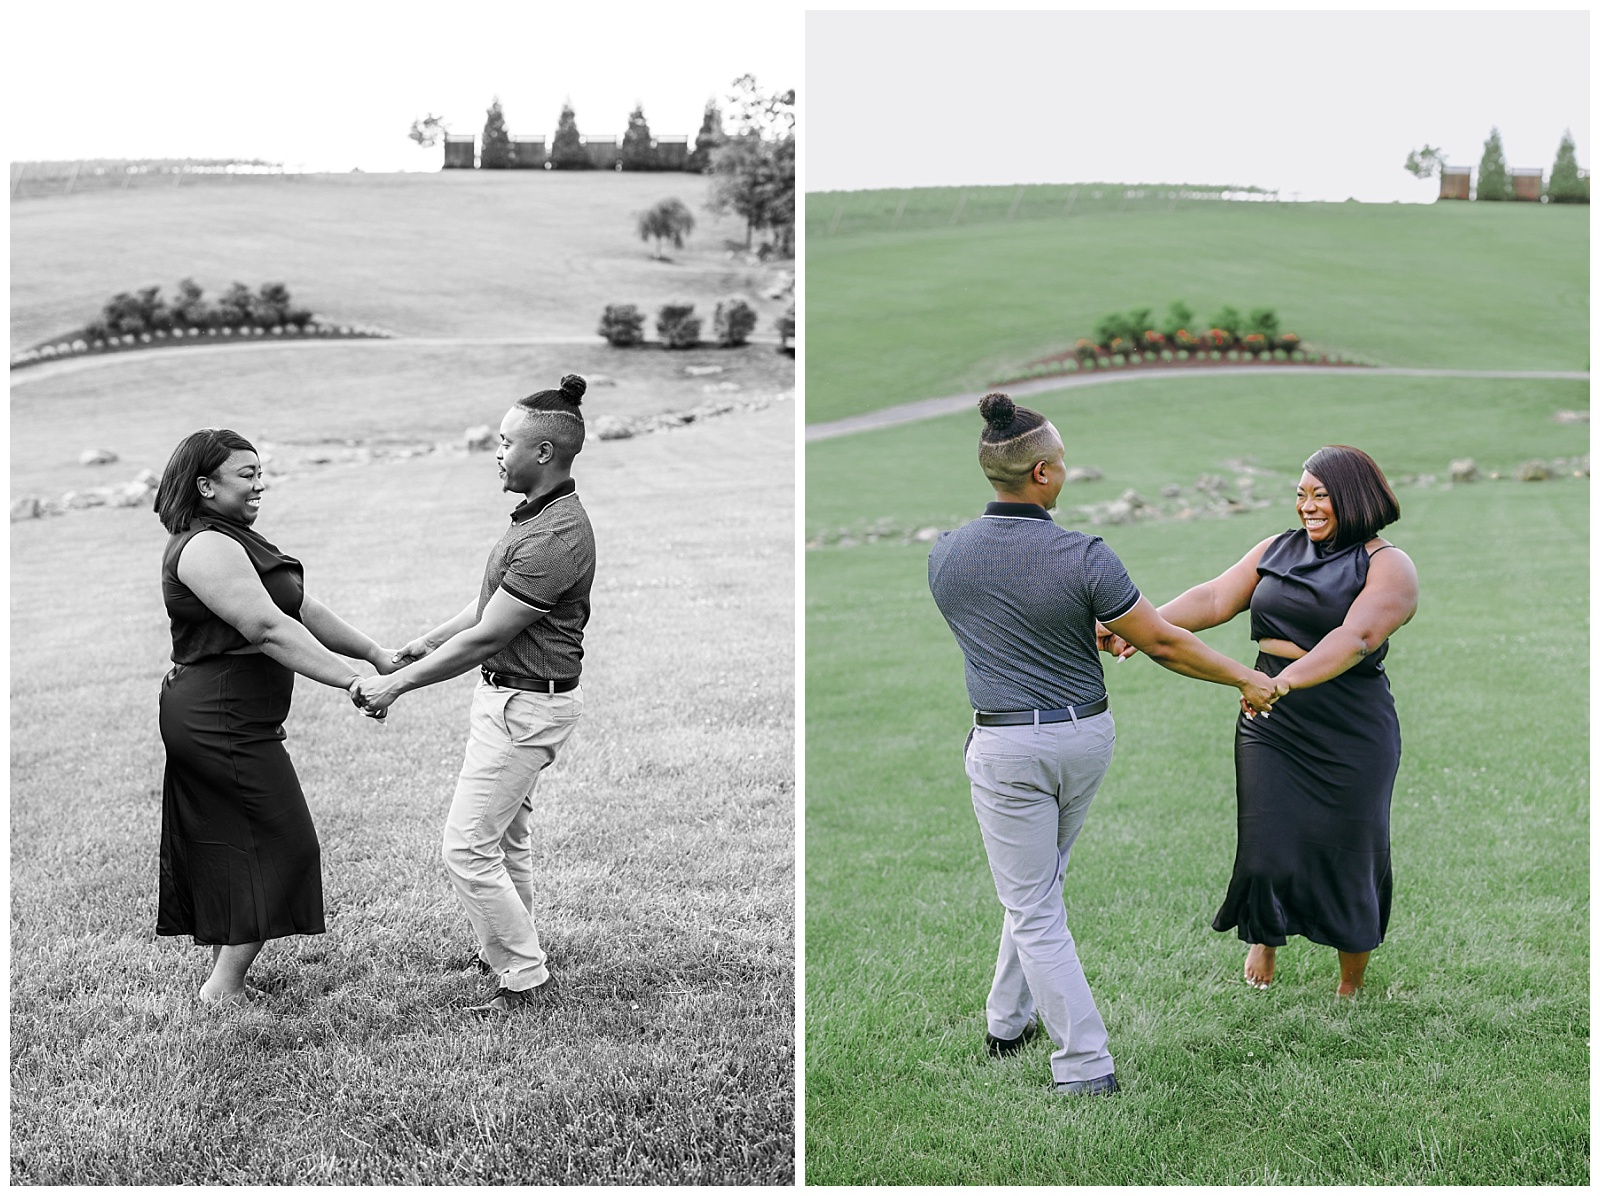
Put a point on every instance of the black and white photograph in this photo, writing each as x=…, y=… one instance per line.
x=403, y=443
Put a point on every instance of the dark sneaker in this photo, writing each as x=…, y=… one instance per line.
x=1099, y=1086
x=1010, y=1046
x=509, y=1000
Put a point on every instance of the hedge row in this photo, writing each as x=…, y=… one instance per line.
x=622, y=324
x=76, y=344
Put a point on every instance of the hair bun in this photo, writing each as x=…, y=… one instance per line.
x=572, y=387
x=997, y=409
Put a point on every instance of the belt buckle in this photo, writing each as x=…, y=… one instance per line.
x=488, y=675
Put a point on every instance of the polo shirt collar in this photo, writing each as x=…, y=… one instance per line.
x=526, y=510
x=1017, y=510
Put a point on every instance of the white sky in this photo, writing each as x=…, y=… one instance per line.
x=336, y=85
x=1323, y=105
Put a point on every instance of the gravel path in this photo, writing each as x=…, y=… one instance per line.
x=905, y=413
x=95, y=361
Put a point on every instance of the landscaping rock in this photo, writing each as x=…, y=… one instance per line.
x=700, y=371
x=1133, y=498
x=1464, y=470
x=148, y=477
x=1171, y=490
x=1533, y=471
x=1084, y=473
x=96, y=456
x=1571, y=417
x=925, y=535
x=609, y=427
x=26, y=508
x=600, y=380
x=479, y=438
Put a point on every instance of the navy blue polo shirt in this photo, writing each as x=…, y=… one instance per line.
x=1022, y=596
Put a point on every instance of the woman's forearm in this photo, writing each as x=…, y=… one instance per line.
x=294, y=647
x=465, y=650
x=336, y=635
x=1340, y=650
x=1188, y=654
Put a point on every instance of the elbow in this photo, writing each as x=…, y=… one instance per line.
x=1161, y=649
x=267, y=631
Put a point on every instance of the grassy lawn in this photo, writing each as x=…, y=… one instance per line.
x=1466, y=1059
x=664, y=834
x=458, y=253
x=893, y=316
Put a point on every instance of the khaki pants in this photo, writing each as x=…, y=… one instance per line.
x=1031, y=789
x=514, y=734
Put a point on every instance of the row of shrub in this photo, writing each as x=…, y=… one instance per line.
x=677, y=327
x=75, y=344
x=136, y=312
x=1049, y=367
x=1137, y=332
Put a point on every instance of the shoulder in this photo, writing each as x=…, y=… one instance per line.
x=1390, y=566
x=209, y=551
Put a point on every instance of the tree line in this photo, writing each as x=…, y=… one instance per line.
x=1567, y=184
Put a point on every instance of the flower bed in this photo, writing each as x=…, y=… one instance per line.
x=77, y=345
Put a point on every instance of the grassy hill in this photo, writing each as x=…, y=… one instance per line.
x=902, y=314
x=458, y=253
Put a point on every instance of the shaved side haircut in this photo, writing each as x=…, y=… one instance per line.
x=555, y=415
x=1014, y=439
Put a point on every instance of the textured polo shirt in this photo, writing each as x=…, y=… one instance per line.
x=545, y=560
x=1022, y=596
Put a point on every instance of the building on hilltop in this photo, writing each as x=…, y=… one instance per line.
x=1527, y=185
x=459, y=151
x=527, y=153
x=1455, y=182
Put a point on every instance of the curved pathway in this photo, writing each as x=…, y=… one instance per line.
x=72, y=365
x=905, y=413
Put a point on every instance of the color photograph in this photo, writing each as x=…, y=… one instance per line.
x=1196, y=576
x=403, y=439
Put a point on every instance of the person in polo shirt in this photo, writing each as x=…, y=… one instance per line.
x=1024, y=599
x=524, y=631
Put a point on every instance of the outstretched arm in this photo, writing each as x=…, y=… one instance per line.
x=334, y=634
x=1385, y=604
x=1209, y=604
x=503, y=618
x=1180, y=650
x=424, y=644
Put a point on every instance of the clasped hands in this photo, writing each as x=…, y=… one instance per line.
x=374, y=695
x=1256, y=695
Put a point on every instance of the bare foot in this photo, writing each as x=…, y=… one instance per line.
x=1259, y=965
x=1352, y=972
x=216, y=995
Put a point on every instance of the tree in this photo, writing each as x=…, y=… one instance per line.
x=1565, y=184
x=709, y=137
x=754, y=168
x=496, y=151
x=428, y=131
x=669, y=220
x=1425, y=162
x=566, y=151
x=637, y=150
x=1494, y=182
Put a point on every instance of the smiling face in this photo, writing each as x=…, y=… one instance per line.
x=1315, y=509
x=234, y=489
x=523, y=454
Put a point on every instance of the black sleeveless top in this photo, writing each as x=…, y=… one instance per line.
x=196, y=632
x=1305, y=592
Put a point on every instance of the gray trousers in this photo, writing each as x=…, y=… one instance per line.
x=1031, y=789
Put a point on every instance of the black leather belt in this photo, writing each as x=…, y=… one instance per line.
x=1019, y=718
x=540, y=684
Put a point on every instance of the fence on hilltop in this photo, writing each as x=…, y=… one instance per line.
x=833, y=213
x=34, y=180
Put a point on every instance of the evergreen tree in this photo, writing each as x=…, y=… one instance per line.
x=496, y=151
x=1565, y=185
x=709, y=137
x=1494, y=181
x=566, y=151
x=637, y=152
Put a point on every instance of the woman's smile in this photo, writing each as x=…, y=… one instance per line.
x=1315, y=509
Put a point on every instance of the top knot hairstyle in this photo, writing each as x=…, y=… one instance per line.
x=559, y=415
x=1363, y=503
x=198, y=455
x=1014, y=439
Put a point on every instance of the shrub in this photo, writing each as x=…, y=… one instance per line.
x=786, y=331
x=733, y=321
x=1566, y=185
x=1179, y=317
x=1228, y=320
x=622, y=324
x=678, y=326
x=1263, y=320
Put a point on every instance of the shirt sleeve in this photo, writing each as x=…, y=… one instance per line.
x=539, y=571
x=1112, y=593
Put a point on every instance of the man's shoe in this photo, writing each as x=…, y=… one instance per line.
x=506, y=1000
x=1010, y=1046
x=1099, y=1086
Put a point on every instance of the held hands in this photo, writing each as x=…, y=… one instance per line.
x=1259, y=692
x=373, y=696
x=1109, y=641
x=412, y=652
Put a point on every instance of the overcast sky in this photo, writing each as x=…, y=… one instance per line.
x=336, y=84
x=1323, y=105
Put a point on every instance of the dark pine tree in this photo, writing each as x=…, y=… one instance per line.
x=1566, y=186
x=637, y=152
x=1494, y=181
x=566, y=151
x=709, y=137
x=496, y=151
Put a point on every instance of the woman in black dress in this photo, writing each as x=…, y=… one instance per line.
x=239, y=857
x=1315, y=776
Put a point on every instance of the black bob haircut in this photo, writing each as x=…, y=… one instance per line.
x=1363, y=503
x=198, y=455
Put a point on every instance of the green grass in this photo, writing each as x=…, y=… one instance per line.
x=664, y=834
x=458, y=253
x=894, y=316
x=1465, y=1061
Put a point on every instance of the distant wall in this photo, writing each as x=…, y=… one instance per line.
x=459, y=151
x=527, y=153
x=604, y=152
x=1527, y=185
x=1455, y=182
x=670, y=152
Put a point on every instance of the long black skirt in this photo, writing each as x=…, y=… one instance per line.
x=1314, y=784
x=239, y=856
